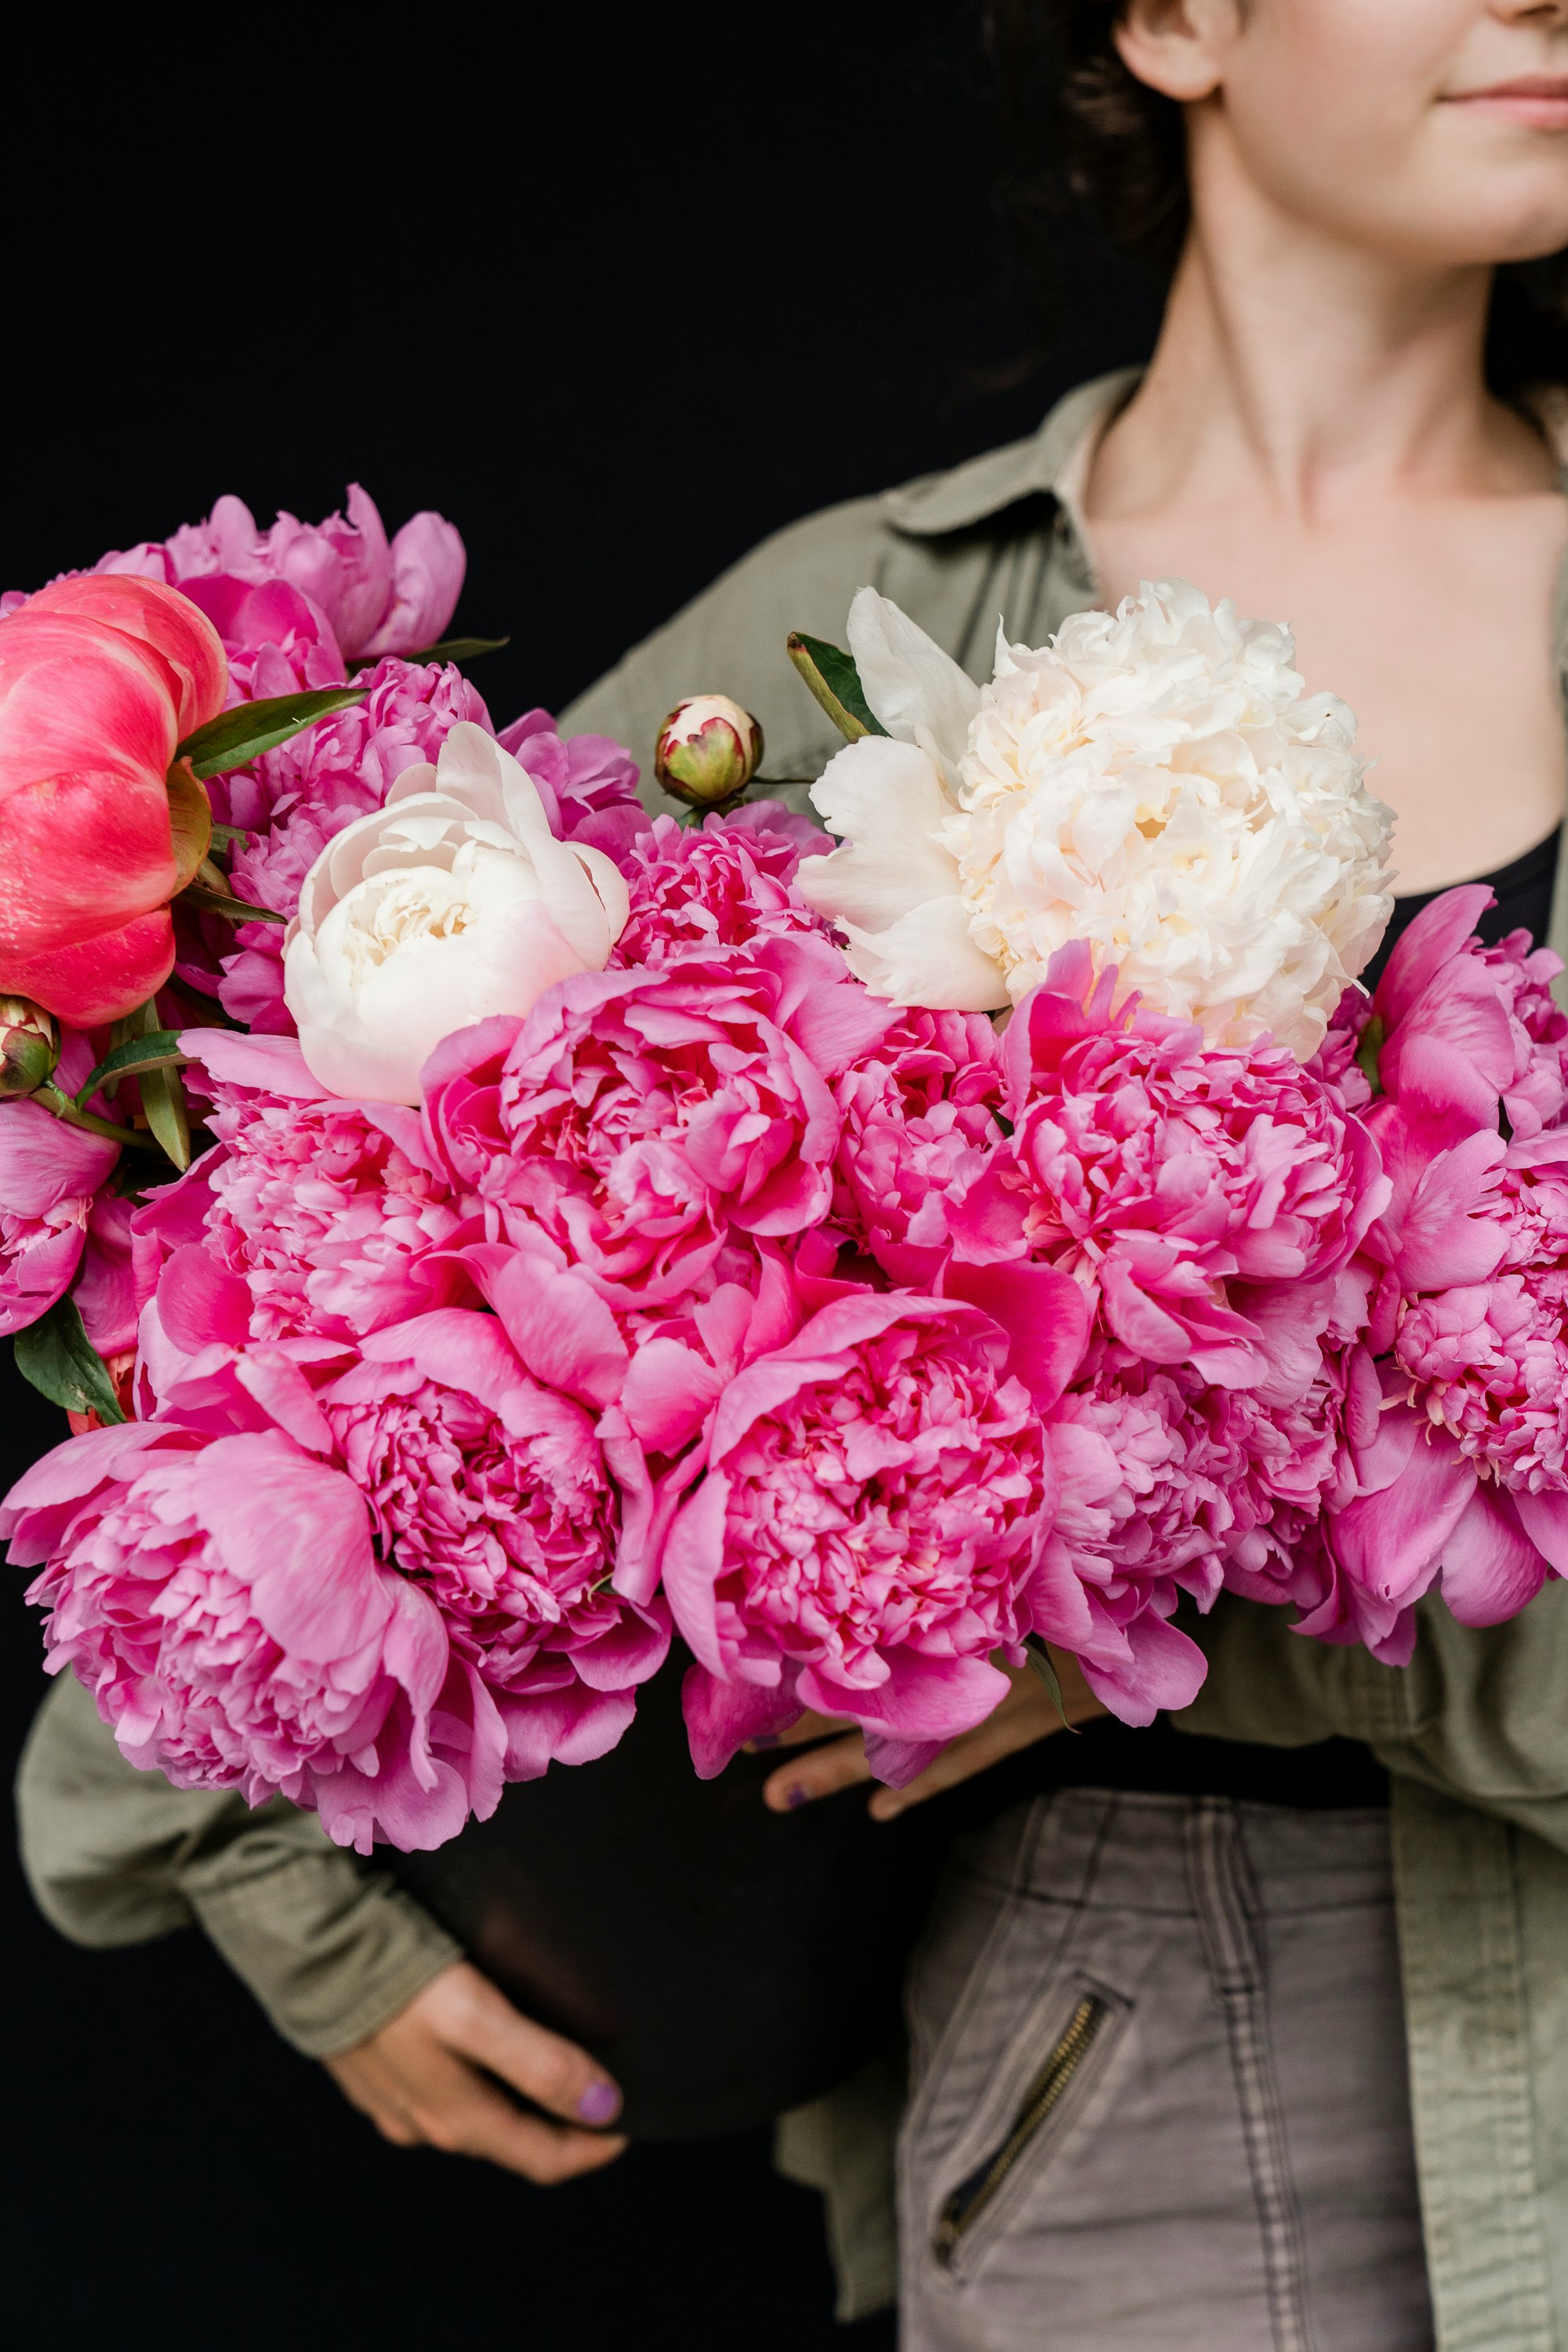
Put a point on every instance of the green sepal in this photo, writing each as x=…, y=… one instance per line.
x=223, y=902
x=1040, y=1657
x=237, y=736
x=163, y=1100
x=459, y=649
x=159, y=1050
x=225, y=835
x=56, y=1354
x=834, y=679
x=1372, y=1039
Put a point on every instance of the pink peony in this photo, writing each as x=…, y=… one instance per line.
x=276, y=641
x=639, y=1120
x=223, y=1603
x=331, y=1211
x=721, y=883
x=1159, y=1171
x=919, y=1113
x=491, y=1491
x=876, y=1489
x=51, y=1222
x=588, y=783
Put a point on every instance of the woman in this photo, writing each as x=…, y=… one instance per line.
x=1160, y=2092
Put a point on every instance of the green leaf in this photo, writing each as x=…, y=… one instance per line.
x=159, y=1050
x=1040, y=1657
x=225, y=835
x=459, y=649
x=237, y=736
x=223, y=902
x=163, y=1100
x=56, y=1355
x=1371, y=1044
x=836, y=682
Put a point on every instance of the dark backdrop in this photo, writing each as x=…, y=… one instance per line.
x=620, y=291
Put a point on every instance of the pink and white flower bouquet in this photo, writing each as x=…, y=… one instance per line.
x=483, y=1232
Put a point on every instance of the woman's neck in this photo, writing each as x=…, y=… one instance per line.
x=1304, y=376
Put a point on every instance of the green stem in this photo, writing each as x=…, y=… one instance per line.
x=63, y=1108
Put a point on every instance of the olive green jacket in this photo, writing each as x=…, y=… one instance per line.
x=1475, y=1732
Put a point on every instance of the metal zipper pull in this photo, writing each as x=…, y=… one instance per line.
x=969, y=2200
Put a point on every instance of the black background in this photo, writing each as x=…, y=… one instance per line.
x=619, y=291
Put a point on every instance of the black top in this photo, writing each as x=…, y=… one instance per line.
x=1338, y=1772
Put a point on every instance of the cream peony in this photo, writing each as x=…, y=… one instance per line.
x=1155, y=782
x=452, y=902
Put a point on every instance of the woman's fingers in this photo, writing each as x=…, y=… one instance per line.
x=427, y=2080
x=839, y=1765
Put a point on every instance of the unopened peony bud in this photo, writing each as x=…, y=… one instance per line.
x=29, y=1047
x=708, y=751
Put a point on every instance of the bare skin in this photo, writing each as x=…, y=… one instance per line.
x=1314, y=439
x=438, y=2076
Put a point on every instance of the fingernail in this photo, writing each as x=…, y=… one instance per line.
x=794, y=1796
x=599, y=2103
x=764, y=1739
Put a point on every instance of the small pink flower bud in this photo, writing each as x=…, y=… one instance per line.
x=708, y=751
x=29, y=1047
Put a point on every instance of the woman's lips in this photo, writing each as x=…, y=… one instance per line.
x=1537, y=101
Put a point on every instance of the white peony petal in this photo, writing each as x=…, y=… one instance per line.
x=918, y=692
x=886, y=799
x=927, y=958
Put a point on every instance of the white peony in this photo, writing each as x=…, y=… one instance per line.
x=1154, y=781
x=452, y=902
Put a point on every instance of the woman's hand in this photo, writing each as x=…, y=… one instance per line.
x=1027, y=1713
x=425, y=2081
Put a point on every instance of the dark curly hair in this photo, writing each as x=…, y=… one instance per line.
x=1074, y=132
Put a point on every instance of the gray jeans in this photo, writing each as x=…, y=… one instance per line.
x=1159, y=2096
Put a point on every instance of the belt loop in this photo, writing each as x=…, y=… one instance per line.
x=1220, y=1880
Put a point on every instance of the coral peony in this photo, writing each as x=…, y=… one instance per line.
x=99, y=680
x=223, y=1603
x=453, y=903
x=1153, y=784
x=639, y=1119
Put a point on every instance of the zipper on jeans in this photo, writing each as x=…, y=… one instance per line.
x=970, y=2197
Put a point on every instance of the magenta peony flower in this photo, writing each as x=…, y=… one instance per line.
x=588, y=784
x=1158, y=1170
x=639, y=1119
x=721, y=883
x=491, y=1491
x=299, y=797
x=222, y=1603
x=331, y=1211
x=276, y=641
x=50, y=1174
x=875, y=1494
x=920, y=1122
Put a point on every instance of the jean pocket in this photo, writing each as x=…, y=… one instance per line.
x=1065, y=2048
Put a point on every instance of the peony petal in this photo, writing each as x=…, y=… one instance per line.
x=918, y=692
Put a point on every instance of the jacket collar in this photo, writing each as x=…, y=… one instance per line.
x=1055, y=461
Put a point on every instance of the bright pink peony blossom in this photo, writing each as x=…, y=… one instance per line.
x=274, y=640
x=862, y=1517
x=299, y=797
x=1159, y=1172
x=491, y=1491
x=223, y=1603
x=920, y=1122
x=721, y=883
x=588, y=783
x=331, y=1211
x=99, y=680
x=49, y=1175
x=637, y=1119
x=376, y=599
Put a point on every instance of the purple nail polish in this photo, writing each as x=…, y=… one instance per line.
x=599, y=2104
x=794, y=1796
x=766, y=1739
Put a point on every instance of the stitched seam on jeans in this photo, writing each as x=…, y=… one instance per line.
x=1228, y=1937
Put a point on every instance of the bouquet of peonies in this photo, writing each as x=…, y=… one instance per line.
x=480, y=1230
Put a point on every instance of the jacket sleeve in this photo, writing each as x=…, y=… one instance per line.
x=1477, y=1716
x=331, y=1947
